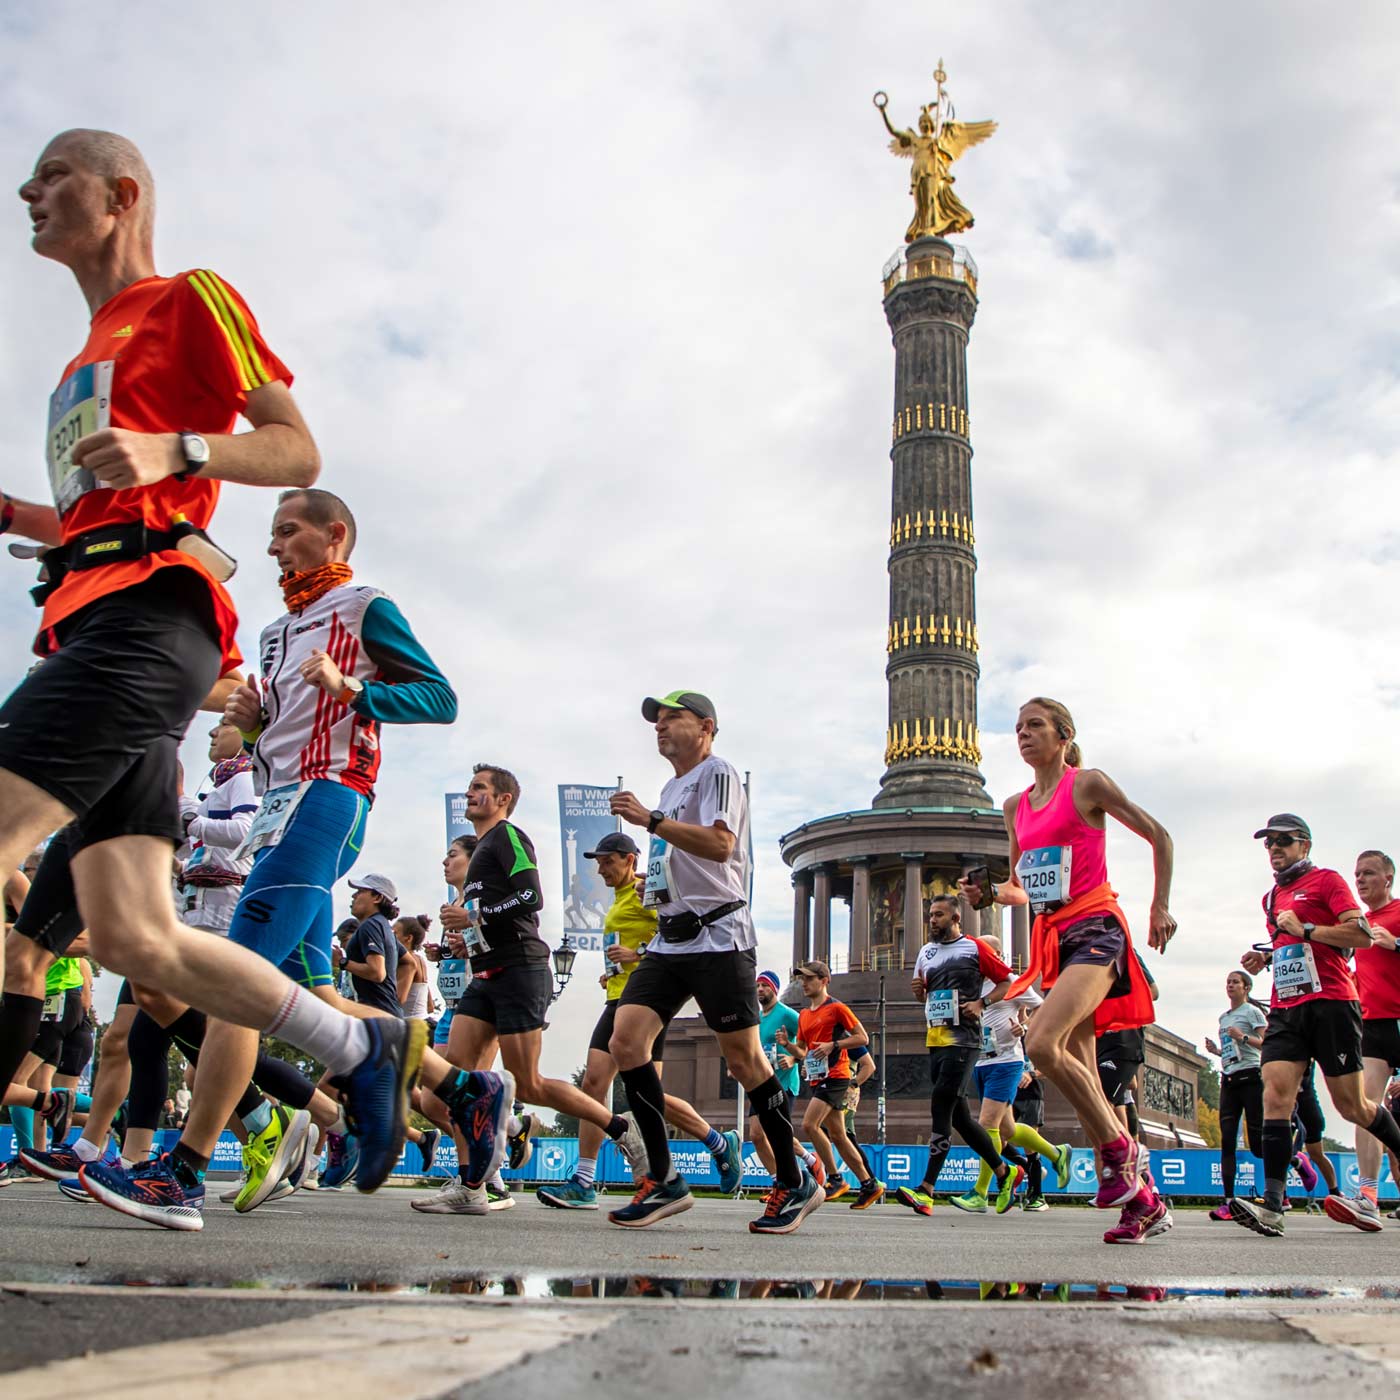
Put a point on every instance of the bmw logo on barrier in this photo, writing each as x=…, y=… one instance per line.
x=1082, y=1168
x=1351, y=1174
x=552, y=1157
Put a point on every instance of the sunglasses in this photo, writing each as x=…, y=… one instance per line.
x=1271, y=841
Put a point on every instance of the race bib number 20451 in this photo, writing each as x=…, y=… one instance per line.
x=80, y=405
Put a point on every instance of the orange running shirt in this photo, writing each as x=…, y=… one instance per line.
x=165, y=355
x=824, y=1024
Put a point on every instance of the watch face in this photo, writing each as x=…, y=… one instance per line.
x=195, y=447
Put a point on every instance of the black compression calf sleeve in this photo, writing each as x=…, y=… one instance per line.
x=1278, y=1150
x=147, y=1047
x=20, y=1019
x=1384, y=1128
x=771, y=1106
x=976, y=1136
x=647, y=1101
x=1134, y=1124
x=283, y=1081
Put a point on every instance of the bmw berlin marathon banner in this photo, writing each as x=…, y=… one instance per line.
x=457, y=823
x=584, y=819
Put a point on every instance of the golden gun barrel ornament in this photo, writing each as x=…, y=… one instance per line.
x=939, y=141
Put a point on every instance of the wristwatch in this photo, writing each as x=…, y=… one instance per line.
x=195, y=450
x=655, y=820
x=351, y=691
x=1308, y=932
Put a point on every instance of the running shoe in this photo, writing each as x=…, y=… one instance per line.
x=654, y=1201
x=1356, y=1210
x=838, y=1188
x=74, y=1189
x=149, y=1191
x=1307, y=1173
x=1119, y=1172
x=1256, y=1216
x=482, y=1122
x=376, y=1095
x=788, y=1207
x=972, y=1203
x=1221, y=1212
x=60, y=1163
x=1394, y=1214
x=1010, y=1184
x=521, y=1149
x=871, y=1193
x=455, y=1198
x=269, y=1155
x=818, y=1171
x=342, y=1160
x=1142, y=1219
x=497, y=1197
x=427, y=1148
x=633, y=1149
x=569, y=1195
x=1035, y=1203
x=920, y=1202
x=305, y=1165
x=281, y=1191
x=1063, y=1161
x=59, y=1114
x=234, y=1192
x=14, y=1170
x=730, y=1162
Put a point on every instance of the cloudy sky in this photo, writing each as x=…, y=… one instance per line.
x=584, y=309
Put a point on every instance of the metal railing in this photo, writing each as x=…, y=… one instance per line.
x=901, y=268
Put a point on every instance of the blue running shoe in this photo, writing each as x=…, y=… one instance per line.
x=376, y=1095
x=731, y=1164
x=75, y=1191
x=787, y=1209
x=482, y=1123
x=61, y=1162
x=569, y=1195
x=653, y=1201
x=342, y=1161
x=150, y=1191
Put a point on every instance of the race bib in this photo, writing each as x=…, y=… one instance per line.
x=610, y=940
x=658, y=882
x=1044, y=875
x=1229, y=1051
x=989, y=1040
x=452, y=979
x=941, y=1008
x=274, y=812
x=53, y=1007
x=1295, y=971
x=472, y=935
x=80, y=405
x=814, y=1067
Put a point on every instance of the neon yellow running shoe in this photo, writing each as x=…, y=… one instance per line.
x=1062, y=1165
x=269, y=1155
x=1013, y=1178
x=972, y=1203
x=918, y=1201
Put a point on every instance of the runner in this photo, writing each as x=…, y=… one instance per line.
x=505, y=1003
x=1241, y=1084
x=862, y=1069
x=416, y=998
x=999, y=1074
x=1080, y=945
x=826, y=1029
x=1378, y=981
x=1314, y=1014
x=778, y=1016
x=948, y=977
x=1310, y=1159
x=627, y=928
x=145, y=412
x=1029, y=1109
x=698, y=882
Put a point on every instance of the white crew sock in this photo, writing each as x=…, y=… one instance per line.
x=339, y=1041
x=88, y=1151
x=513, y=1126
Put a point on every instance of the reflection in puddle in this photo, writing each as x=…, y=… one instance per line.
x=770, y=1290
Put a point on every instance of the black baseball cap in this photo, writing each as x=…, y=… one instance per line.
x=690, y=700
x=1284, y=822
x=614, y=842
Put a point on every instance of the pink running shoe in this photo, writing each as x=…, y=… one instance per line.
x=1118, y=1175
x=1307, y=1173
x=1221, y=1212
x=1140, y=1221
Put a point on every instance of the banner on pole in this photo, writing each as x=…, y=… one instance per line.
x=584, y=819
x=457, y=823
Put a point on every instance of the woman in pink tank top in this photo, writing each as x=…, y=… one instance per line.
x=1082, y=951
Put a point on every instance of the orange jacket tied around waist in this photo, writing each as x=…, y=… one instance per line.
x=1115, y=1013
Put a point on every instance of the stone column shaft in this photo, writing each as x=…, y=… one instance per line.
x=821, y=920
x=860, y=913
x=913, y=908
x=801, y=916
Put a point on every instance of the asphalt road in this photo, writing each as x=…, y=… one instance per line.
x=538, y=1302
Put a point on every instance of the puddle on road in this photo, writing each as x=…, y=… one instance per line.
x=644, y=1286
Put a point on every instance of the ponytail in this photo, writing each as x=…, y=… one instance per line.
x=415, y=928
x=1064, y=726
x=1249, y=987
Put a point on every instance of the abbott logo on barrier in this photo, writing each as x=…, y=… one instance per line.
x=1171, y=1169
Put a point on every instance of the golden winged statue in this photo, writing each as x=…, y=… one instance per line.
x=939, y=141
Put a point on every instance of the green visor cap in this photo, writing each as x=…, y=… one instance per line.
x=690, y=700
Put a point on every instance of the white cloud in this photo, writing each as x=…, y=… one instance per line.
x=585, y=314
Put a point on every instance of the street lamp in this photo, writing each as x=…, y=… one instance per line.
x=563, y=957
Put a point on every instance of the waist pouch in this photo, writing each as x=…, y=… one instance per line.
x=115, y=544
x=681, y=928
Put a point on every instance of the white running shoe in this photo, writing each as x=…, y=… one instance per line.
x=234, y=1191
x=455, y=1198
x=633, y=1149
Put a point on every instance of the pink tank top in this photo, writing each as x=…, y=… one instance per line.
x=1058, y=827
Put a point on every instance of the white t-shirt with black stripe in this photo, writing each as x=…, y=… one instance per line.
x=712, y=793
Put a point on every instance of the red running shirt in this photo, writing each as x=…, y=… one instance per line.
x=824, y=1024
x=165, y=355
x=1378, y=969
x=1319, y=897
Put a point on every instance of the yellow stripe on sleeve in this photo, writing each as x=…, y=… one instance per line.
x=250, y=346
x=245, y=379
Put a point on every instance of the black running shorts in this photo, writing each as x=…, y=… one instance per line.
x=1380, y=1040
x=721, y=983
x=602, y=1034
x=48, y=1044
x=1323, y=1030
x=50, y=915
x=513, y=999
x=832, y=1092
x=98, y=725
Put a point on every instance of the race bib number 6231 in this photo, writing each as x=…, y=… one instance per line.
x=80, y=405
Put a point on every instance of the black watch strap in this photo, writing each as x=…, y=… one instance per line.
x=655, y=820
